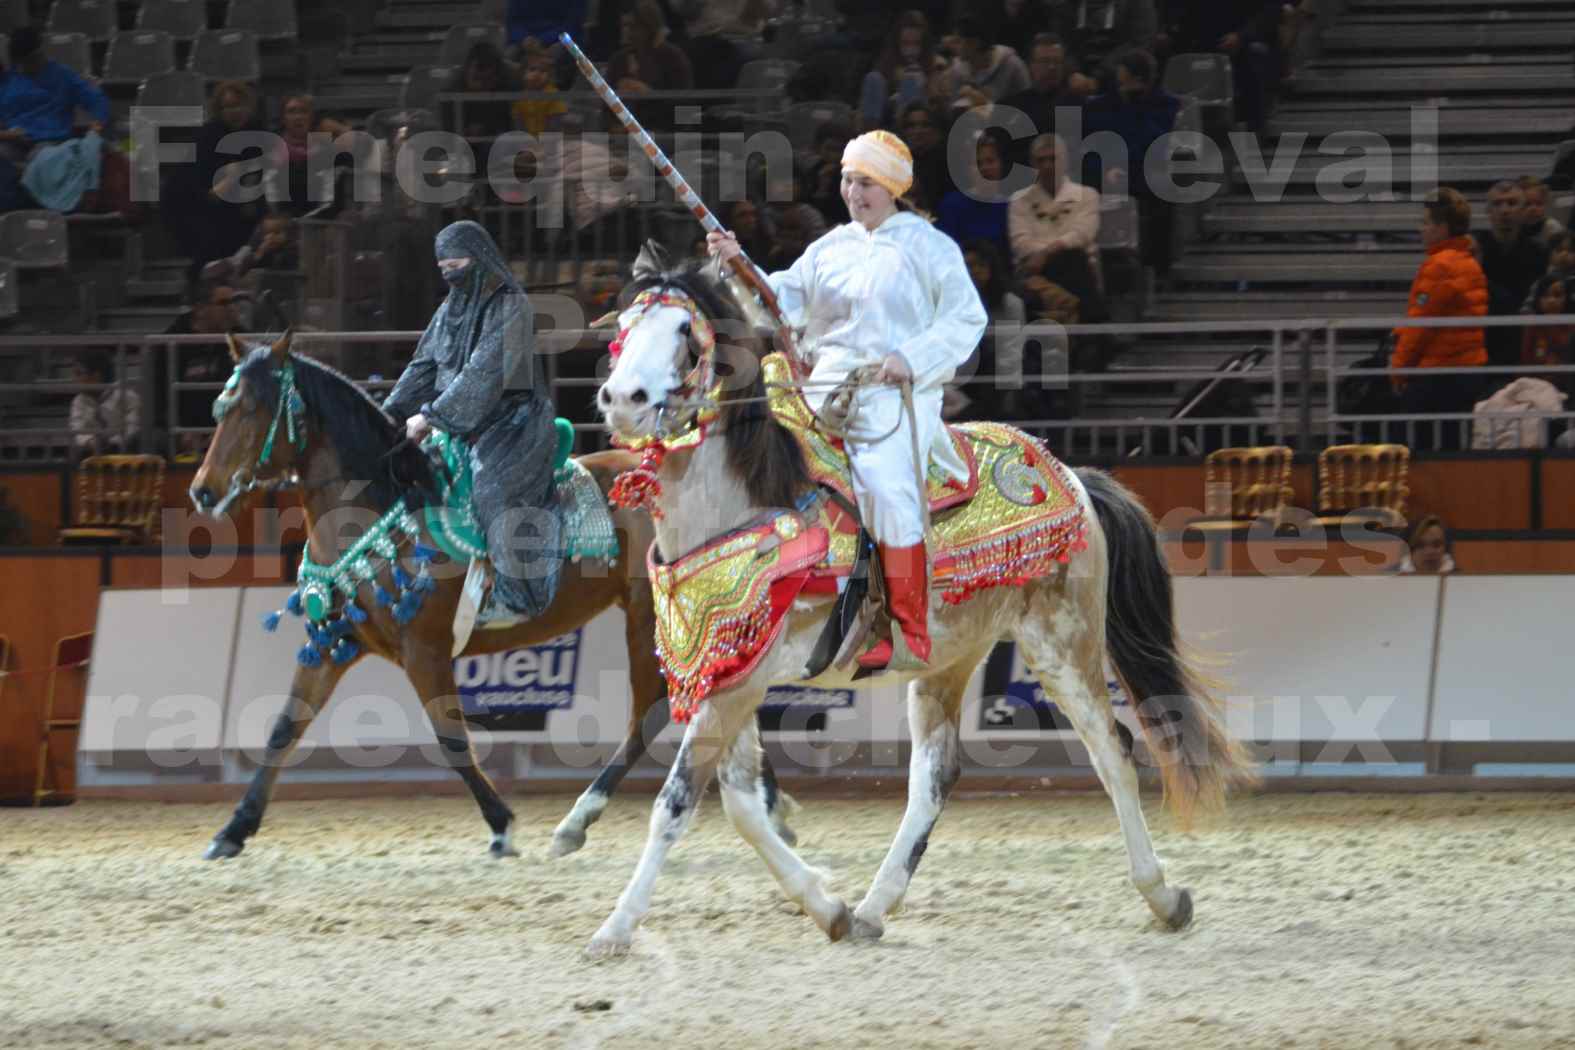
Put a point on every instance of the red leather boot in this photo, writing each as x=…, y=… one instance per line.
x=906, y=577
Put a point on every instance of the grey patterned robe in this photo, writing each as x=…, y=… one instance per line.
x=475, y=375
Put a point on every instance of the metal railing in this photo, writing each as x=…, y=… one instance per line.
x=1303, y=365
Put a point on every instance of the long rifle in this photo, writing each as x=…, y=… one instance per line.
x=741, y=264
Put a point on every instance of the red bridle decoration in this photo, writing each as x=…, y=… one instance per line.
x=639, y=487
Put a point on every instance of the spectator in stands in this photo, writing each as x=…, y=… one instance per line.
x=998, y=358
x=825, y=177
x=1050, y=89
x=1430, y=550
x=214, y=311
x=1140, y=112
x=979, y=211
x=995, y=71
x=1053, y=226
x=204, y=202
x=923, y=129
x=299, y=121
x=107, y=421
x=538, y=115
x=1104, y=30
x=544, y=21
x=798, y=225
x=1549, y=344
x=1018, y=20
x=1512, y=260
x=752, y=225
x=1248, y=32
x=38, y=102
x=1450, y=283
x=485, y=71
x=648, y=61
x=1540, y=226
x=723, y=35
x=908, y=69
x=272, y=247
x=1561, y=263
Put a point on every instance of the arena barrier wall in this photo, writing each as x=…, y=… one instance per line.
x=1407, y=676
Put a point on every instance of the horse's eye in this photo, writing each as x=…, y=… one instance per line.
x=684, y=330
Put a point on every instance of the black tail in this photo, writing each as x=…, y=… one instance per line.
x=1182, y=720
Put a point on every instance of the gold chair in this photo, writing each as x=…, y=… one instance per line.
x=1364, y=481
x=118, y=500
x=69, y=672
x=1257, y=482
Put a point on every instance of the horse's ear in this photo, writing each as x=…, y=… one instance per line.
x=281, y=349
x=236, y=353
x=606, y=320
x=651, y=261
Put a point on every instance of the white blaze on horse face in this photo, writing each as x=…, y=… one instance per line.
x=647, y=371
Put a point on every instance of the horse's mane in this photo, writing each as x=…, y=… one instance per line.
x=764, y=453
x=358, y=428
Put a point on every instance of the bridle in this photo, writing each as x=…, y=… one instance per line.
x=290, y=412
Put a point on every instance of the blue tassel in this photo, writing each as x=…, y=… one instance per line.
x=309, y=656
x=271, y=621
x=293, y=603
x=319, y=635
x=423, y=584
x=401, y=578
x=345, y=651
x=424, y=554
x=406, y=610
x=383, y=597
x=355, y=613
x=340, y=627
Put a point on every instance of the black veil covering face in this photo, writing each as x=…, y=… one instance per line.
x=474, y=376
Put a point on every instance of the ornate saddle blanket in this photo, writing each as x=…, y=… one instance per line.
x=587, y=523
x=719, y=608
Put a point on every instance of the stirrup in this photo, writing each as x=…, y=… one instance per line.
x=471, y=598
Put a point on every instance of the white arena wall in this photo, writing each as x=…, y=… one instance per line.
x=1392, y=676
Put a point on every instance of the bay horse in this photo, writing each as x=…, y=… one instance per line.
x=1111, y=597
x=352, y=458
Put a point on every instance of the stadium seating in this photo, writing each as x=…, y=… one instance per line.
x=226, y=54
x=136, y=55
x=461, y=39
x=34, y=240
x=268, y=19
x=1244, y=484
x=181, y=19
x=72, y=50
x=94, y=19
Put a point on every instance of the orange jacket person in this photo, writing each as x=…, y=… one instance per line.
x=1449, y=284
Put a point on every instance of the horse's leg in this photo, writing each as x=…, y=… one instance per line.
x=744, y=800
x=645, y=723
x=1067, y=652
x=779, y=804
x=647, y=718
x=432, y=673
x=713, y=728
x=309, y=691
x=934, y=702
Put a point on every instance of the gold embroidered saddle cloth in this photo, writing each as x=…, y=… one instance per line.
x=718, y=608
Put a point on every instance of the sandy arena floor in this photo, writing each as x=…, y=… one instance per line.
x=1334, y=921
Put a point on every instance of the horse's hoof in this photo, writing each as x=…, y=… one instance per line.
x=499, y=850
x=866, y=931
x=565, y=842
x=1181, y=917
x=787, y=834
x=841, y=923
x=222, y=848
x=608, y=946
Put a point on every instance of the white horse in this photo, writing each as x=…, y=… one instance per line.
x=1065, y=622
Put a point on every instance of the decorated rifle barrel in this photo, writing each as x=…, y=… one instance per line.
x=664, y=167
